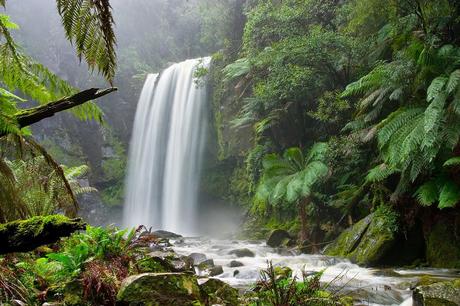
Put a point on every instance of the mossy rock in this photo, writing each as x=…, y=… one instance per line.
x=375, y=243
x=216, y=291
x=438, y=294
x=153, y=265
x=349, y=239
x=442, y=247
x=160, y=289
x=366, y=243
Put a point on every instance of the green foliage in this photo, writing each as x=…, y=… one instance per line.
x=89, y=265
x=20, y=72
x=89, y=26
x=389, y=217
x=289, y=178
x=441, y=189
x=278, y=287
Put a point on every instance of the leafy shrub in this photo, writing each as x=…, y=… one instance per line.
x=278, y=287
x=88, y=266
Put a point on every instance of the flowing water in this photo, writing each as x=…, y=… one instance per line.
x=166, y=149
x=367, y=286
x=164, y=168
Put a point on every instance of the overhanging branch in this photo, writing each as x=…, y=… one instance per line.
x=36, y=114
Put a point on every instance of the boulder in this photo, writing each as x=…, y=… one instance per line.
x=278, y=238
x=165, y=262
x=153, y=265
x=216, y=270
x=366, y=243
x=437, y=294
x=242, y=253
x=197, y=258
x=166, y=234
x=235, y=264
x=182, y=264
x=217, y=292
x=443, y=247
x=348, y=241
x=206, y=265
x=157, y=289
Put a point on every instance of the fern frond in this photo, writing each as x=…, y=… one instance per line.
x=449, y=196
x=395, y=121
x=454, y=82
x=428, y=193
x=89, y=25
x=83, y=190
x=454, y=161
x=380, y=173
x=436, y=88
x=237, y=69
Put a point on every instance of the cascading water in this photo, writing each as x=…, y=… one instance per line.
x=166, y=149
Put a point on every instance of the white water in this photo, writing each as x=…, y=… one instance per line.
x=165, y=152
x=367, y=286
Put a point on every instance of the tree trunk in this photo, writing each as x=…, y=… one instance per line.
x=303, y=220
x=33, y=115
x=27, y=235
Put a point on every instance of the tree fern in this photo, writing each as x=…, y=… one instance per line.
x=291, y=177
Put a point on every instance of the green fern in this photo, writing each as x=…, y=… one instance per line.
x=237, y=69
x=289, y=178
x=20, y=72
x=89, y=26
x=380, y=173
x=454, y=161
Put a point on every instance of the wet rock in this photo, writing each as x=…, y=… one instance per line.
x=197, y=258
x=235, y=264
x=242, y=253
x=159, y=289
x=153, y=265
x=182, y=264
x=216, y=270
x=218, y=292
x=205, y=265
x=443, y=247
x=166, y=261
x=438, y=294
x=366, y=243
x=236, y=272
x=349, y=239
x=278, y=238
x=166, y=234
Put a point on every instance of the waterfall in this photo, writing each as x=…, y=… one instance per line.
x=166, y=150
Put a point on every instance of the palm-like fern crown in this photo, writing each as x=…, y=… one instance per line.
x=291, y=177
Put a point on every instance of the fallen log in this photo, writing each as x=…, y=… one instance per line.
x=27, y=235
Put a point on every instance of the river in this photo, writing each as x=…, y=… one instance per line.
x=368, y=286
